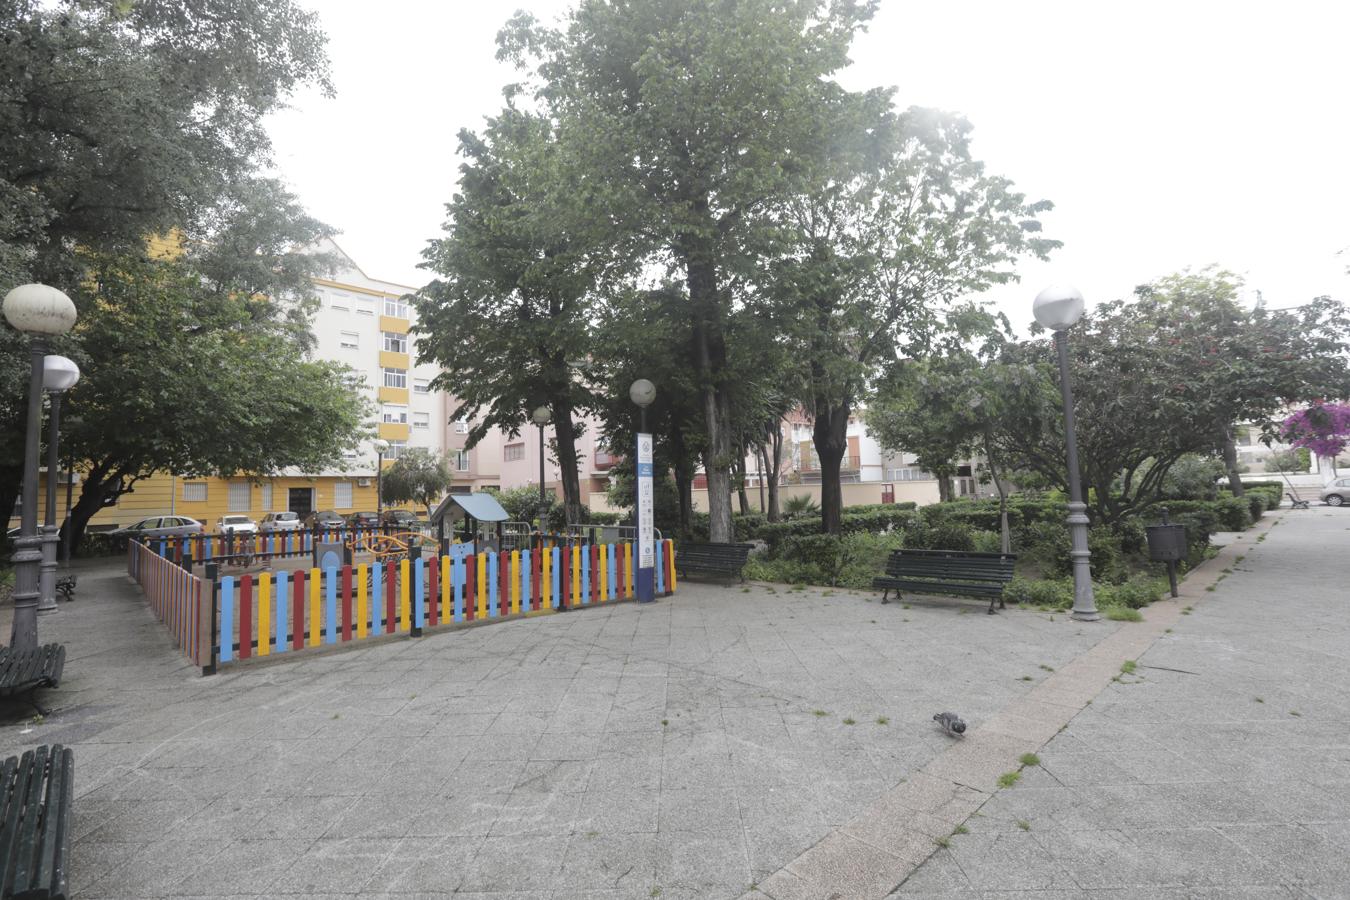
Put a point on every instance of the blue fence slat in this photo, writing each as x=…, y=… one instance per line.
x=227, y=618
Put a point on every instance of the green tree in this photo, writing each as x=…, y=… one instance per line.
x=1251, y=364
x=683, y=122
x=418, y=476
x=508, y=319
x=124, y=120
x=180, y=377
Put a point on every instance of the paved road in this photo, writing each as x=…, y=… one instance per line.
x=1221, y=769
x=686, y=749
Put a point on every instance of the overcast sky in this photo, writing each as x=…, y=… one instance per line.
x=1168, y=134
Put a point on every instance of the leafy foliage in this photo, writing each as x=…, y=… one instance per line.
x=1323, y=428
x=418, y=476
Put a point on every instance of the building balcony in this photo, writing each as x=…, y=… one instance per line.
x=604, y=461
x=847, y=464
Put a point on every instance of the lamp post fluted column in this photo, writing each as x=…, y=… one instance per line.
x=58, y=376
x=1059, y=308
x=40, y=312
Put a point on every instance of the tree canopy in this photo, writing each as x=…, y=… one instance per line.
x=418, y=476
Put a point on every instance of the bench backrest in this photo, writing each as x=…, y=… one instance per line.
x=713, y=552
x=951, y=564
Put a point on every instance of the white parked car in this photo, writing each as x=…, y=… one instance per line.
x=280, y=521
x=236, y=525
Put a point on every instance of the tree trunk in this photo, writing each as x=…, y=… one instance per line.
x=830, y=436
x=738, y=475
x=97, y=487
x=944, y=486
x=705, y=302
x=775, y=470
x=1005, y=534
x=9, y=494
x=684, y=487
x=566, y=441
x=1229, y=448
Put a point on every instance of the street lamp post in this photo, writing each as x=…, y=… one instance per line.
x=41, y=312
x=1059, y=308
x=542, y=415
x=380, y=445
x=58, y=376
x=642, y=393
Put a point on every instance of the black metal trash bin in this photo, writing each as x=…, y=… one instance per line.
x=1166, y=543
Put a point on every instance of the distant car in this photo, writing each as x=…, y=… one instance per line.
x=280, y=521
x=236, y=525
x=324, y=518
x=400, y=518
x=157, y=526
x=1337, y=492
x=363, y=520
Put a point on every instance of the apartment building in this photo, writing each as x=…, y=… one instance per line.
x=365, y=323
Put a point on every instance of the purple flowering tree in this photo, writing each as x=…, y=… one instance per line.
x=1324, y=428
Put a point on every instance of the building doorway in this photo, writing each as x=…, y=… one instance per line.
x=300, y=501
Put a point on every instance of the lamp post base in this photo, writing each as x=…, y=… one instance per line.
x=1084, y=603
x=47, y=578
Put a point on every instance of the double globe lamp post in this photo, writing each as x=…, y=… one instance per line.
x=42, y=313
x=1059, y=308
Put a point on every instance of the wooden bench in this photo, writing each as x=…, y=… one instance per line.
x=35, y=800
x=718, y=560
x=953, y=572
x=24, y=671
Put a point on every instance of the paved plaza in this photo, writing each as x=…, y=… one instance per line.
x=729, y=742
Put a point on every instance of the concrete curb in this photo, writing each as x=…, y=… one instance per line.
x=881, y=847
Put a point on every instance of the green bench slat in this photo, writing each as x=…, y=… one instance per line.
x=711, y=559
x=35, y=800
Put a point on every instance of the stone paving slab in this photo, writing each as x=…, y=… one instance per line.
x=692, y=748
x=1220, y=769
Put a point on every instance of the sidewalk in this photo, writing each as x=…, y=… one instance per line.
x=684, y=749
x=1220, y=769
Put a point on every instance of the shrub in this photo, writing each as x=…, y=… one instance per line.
x=800, y=505
x=941, y=535
x=1135, y=593
x=851, y=561
x=1192, y=477
x=1054, y=593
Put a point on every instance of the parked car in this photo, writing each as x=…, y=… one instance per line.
x=236, y=525
x=1337, y=492
x=363, y=520
x=323, y=518
x=157, y=526
x=280, y=521
x=400, y=518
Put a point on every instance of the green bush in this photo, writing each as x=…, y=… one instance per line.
x=1055, y=593
x=1135, y=593
x=941, y=535
x=851, y=561
x=1193, y=477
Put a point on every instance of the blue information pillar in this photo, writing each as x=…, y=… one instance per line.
x=646, y=531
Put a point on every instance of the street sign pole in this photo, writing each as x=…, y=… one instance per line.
x=646, y=533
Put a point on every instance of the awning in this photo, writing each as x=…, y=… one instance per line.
x=483, y=507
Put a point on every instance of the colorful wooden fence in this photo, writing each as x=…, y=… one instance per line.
x=265, y=613
x=204, y=548
x=180, y=600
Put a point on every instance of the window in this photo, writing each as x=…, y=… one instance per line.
x=238, y=496
x=342, y=495
x=267, y=496
x=194, y=492
x=349, y=340
x=395, y=307
x=395, y=343
x=513, y=452
x=341, y=302
x=461, y=460
x=421, y=386
x=396, y=378
x=910, y=473
x=365, y=307
x=396, y=450
x=396, y=413
x=461, y=426
x=421, y=420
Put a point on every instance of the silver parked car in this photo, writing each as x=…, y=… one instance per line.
x=280, y=521
x=158, y=526
x=1337, y=492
